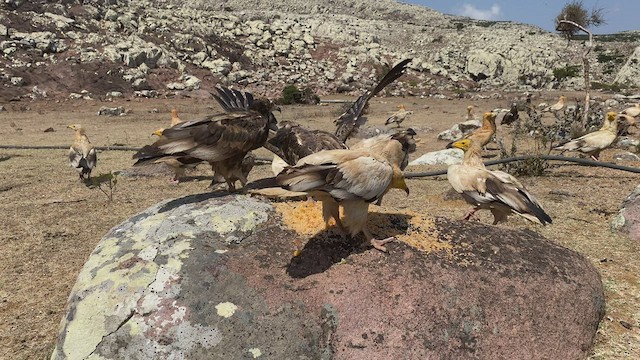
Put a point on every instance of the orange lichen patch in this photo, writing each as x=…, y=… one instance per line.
x=305, y=218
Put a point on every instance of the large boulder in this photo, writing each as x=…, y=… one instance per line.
x=230, y=277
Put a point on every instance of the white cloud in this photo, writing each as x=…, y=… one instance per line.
x=473, y=12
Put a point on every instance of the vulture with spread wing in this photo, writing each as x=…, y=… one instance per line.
x=347, y=124
x=82, y=155
x=292, y=142
x=225, y=137
x=496, y=191
x=351, y=178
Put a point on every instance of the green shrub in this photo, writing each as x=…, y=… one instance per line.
x=568, y=71
x=615, y=57
x=292, y=95
x=615, y=87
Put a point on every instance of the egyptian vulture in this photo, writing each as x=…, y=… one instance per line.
x=484, y=134
x=219, y=137
x=470, y=115
x=560, y=105
x=593, y=143
x=496, y=191
x=399, y=116
x=351, y=178
x=82, y=155
x=633, y=111
x=175, y=119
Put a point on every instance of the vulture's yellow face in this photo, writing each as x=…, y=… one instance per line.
x=490, y=115
x=74, y=126
x=611, y=116
x=158, y=132
x=463, y=144
x=469, y=108
x=397, y=181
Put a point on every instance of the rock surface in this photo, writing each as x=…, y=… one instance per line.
x=628, y=218
x=459, y=130
x=213, y=277
x=440, y=157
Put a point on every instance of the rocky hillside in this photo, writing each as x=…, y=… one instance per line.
x=156, y=48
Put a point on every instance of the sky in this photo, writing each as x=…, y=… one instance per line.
x=619, y=15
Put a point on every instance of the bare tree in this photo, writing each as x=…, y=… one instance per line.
x=572, y=19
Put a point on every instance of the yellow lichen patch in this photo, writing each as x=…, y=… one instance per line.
x=255, y=352
x=226, y=309
x=303, y=217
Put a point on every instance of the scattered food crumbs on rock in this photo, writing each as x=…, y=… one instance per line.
x=305, y=218
x=226, y=309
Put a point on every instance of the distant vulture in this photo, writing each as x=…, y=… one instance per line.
x=82, y=155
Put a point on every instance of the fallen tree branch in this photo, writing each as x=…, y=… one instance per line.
x=585, y=162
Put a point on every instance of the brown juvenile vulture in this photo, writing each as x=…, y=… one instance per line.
x=227, y=136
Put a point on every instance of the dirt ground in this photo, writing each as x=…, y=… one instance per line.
x=51, y=222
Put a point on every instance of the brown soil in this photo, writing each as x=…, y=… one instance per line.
x=51, y=222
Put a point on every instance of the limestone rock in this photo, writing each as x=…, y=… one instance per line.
x=626, y=156
x=214, y=277
x=440, y=157
x=482, y=65
x=629, y=74
x=459, y=130
x=111, y=111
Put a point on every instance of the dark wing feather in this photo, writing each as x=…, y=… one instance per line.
x=233, y=100
x=348, y=123
x=213, y=139
x=295, y=142
x=516, y=198
x=510, y=116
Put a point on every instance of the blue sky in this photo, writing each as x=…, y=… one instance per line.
x=620, y=15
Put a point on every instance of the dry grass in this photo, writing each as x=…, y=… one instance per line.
x=51, y=222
